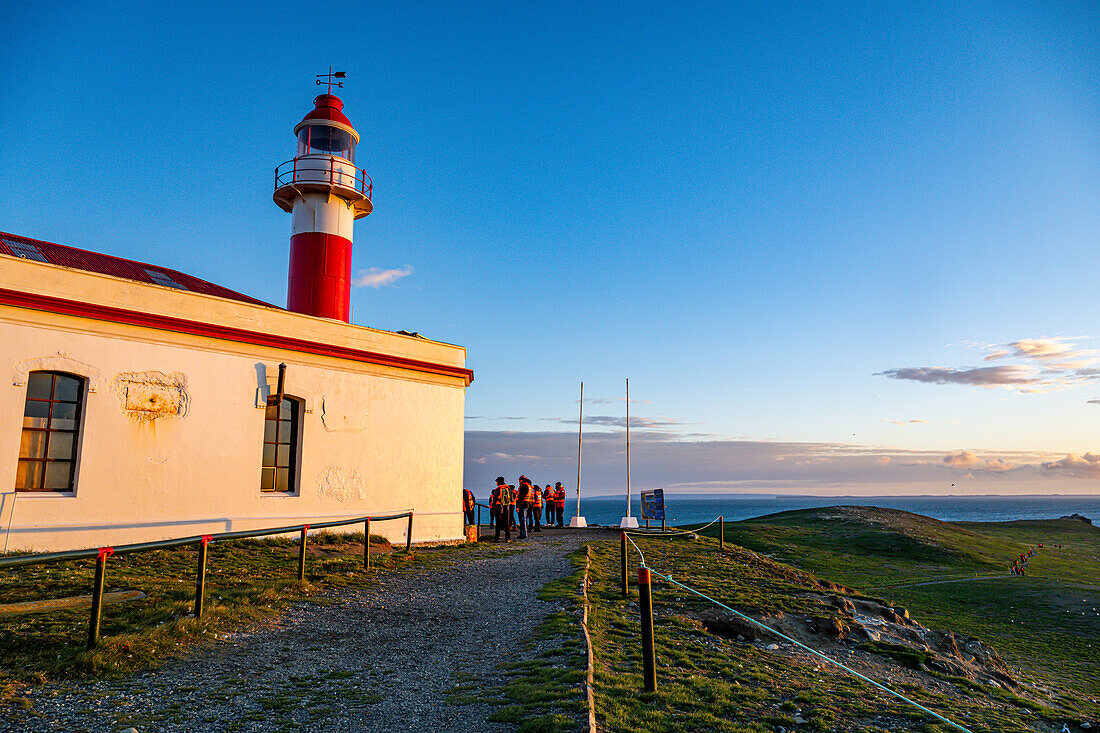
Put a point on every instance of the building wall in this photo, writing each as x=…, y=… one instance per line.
x=172, y=432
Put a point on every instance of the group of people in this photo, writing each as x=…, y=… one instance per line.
x=519, y=507
x=1018, y=566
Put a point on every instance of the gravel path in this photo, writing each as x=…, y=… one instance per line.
x=379, y=658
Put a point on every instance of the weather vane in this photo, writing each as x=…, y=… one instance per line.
x=327, y=78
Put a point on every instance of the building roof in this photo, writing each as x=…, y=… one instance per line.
x=82, y=259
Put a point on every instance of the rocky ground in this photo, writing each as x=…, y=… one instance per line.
x=378, y=658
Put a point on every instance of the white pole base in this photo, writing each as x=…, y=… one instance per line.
x=629, y=523
x=578, y=522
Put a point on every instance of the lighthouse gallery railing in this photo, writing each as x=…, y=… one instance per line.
x=333, y=171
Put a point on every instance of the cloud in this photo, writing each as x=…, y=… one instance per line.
x=502, y=417
x=1044, y=348
x=1093, y=402
x=1086, y=466
x=698, y=462
x=375, y=277
x=1045, y=364
x=910, y=421
x=504, y=458
x=969, y=460
x=997, y=376
x=616, y=421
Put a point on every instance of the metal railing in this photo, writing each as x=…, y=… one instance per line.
x=102, y=553
x=336, y=172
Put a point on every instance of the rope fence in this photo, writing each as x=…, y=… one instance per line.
x=646, y=608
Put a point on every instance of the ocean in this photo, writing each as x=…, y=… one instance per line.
x=693, y=508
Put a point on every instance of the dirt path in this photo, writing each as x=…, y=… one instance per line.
x=379, y=658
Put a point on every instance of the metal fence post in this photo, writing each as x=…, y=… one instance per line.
x=409, y=535
x=200, y=576
x=302, y=553
x=366, y=544
x=97, y=594
x=645, y=598
x=721, y=533
x=622, y=563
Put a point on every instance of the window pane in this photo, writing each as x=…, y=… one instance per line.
x=58, y=474
x=36, y=409
x=286, y=409
x=269, y=431
x=66, y=388
x=267, y=479
x=269, y=454
x=61, y=445
x=282, y=477
x=32, y=444
x=284, y=456
x=38, y=385
x=63, y=416
x=29, y=475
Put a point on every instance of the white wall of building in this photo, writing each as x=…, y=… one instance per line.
x=375, y=439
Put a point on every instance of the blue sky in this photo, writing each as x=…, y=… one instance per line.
x=798, y=228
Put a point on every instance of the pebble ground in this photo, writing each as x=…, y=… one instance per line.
x=377, y=658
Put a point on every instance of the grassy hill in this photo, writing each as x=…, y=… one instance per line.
x=953, y=576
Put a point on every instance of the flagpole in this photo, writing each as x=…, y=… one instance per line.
x=628, y=522
x=628, y=448
x=578, y=520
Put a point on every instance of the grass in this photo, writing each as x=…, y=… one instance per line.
x=1047, y=624
x=141, y=634
x=707, y=682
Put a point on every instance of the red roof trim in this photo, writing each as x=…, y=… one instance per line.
x=111, y=314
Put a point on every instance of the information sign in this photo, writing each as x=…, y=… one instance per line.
x=653, y=504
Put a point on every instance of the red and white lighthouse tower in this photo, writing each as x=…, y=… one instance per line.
x=324, y=193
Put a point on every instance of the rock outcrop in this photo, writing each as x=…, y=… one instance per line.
x=874, y=627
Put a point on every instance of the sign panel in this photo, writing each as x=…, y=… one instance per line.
x=653, y=504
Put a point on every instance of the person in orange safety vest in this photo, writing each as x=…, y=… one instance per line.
x=468, y=505
x=534, y=509
x=501, y=503
x=559, y=503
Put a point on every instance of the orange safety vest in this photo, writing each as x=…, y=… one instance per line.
x=534, y=498
x=506, y=498
x=468, y=500
x=559, y=498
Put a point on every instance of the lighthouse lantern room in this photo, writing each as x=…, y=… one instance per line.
x=324, y=193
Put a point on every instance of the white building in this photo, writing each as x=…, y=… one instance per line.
x=143, y=403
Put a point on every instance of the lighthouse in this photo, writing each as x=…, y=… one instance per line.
x=324, y=193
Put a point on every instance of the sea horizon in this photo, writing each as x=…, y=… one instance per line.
x=695, y=508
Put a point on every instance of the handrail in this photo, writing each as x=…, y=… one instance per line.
x=44, y=557
x=335, y=173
